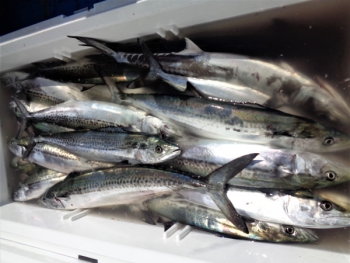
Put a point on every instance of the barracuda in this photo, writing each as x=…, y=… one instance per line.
x=37, y=184
x=129, y=184
x=238, y=78
x=282, y=208
x=113, y=147
x=54, y=158
x=272, y=168
x=95, y=115
x=186, y=212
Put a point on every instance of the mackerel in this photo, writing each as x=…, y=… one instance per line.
x=37, y=184
x=113, y=147
x=54, y=158
x=272, y=168
x=129, y=184
x=186, y=212
x=238, y=78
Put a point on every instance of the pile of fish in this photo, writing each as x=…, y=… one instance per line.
x=232, y=145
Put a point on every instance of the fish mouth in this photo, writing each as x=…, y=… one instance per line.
x=171, y=155
x=310, y=236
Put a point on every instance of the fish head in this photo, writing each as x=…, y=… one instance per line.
x=323, y=171
x=281, y=233
x=316, y=213
x=156, y=150
x=155, y=126
x=20, y=194
x=16, y=148
x=50, y=200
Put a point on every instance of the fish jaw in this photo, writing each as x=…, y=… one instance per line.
x=20, y=193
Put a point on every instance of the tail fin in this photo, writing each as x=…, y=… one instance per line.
x=25, y=115
x=217, y=182
x=90, y=42
x=29, y=148
x=178, y=82
x=113, y=88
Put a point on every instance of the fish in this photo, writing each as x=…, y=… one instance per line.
x=83, y=71
x=54, y=158
x=186, y=212
x=217, y=120
x=37, y=184
x=234, y=77
x=272, y=168
x=113, y=147
x=95, y=115
x=24, y=166
x=129, y=184
x=336, y=196
x=269, y=205
x=48, y=90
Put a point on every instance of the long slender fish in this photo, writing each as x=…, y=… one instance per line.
x=113, y=147
x=129, y=184
x=282, y=208
x=272, y=168
x=218, y=120
x=37, y=184
x=55, y=158
x=96, y=115
x=233, y=77
x=189, y=213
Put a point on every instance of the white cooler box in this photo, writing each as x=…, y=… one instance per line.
x=313, y=36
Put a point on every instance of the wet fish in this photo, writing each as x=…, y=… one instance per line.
x=239, y=78
x=54, y=158
x=113, y=147
x=96, y=115
x=189, y=213
x=282, y=208
x=83, y=71
x=272, y=168
x=37, y=184
x=24, y=166
x=218, y=120
x=129, y=184
x=49, y=90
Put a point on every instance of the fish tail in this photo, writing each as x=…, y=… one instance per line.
x=29, y=148
x=90, y=42
x=178, y=82
x=217, y=182
x=25, y=115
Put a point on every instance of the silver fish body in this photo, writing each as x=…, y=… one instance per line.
x=217, y=120
x=37, y=184
x=280, y=208
x=233, y=77
x=272, y=168
x=114, y=186
x=56, y=158
x=190, y=213
x=113, y=147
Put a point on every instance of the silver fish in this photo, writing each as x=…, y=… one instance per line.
x=54, y=158
x=217, y=120
x=37, y=184
x=287, y=209
x=95, y=115
x=233, y=77
x=189, y=213
x=272, y=168
x=114, y=147
x=129, y=184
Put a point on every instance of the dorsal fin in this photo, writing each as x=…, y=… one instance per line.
x=191, y=49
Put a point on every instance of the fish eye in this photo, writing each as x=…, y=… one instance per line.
x=328, y=141
x=330, y=175
x=289, y=230
x=326, y=206
x=158, y=149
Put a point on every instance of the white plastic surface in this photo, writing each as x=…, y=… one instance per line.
x=27, y=230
